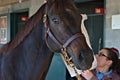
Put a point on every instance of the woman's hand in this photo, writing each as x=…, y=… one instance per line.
x=87, y=74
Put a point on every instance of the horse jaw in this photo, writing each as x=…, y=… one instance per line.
x=71, y=70
x=94, y=63
x=84, y=31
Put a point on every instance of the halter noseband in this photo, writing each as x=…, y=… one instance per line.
x=61, y=46
x=49, y=33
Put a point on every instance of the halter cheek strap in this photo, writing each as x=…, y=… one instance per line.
x=49, y=33
x=61, y=45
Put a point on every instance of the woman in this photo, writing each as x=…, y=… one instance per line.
x=108, y=66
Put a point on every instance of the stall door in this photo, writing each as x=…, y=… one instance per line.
x=17, y=20
x=57, y=70
x=94, y=25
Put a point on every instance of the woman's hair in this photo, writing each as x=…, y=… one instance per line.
x=113, y=54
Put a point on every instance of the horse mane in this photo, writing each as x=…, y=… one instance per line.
x=25, y=30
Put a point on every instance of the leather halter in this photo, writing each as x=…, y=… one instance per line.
x=48, y=33
x=62, y=46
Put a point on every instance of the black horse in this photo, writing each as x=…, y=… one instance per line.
x=56, y=25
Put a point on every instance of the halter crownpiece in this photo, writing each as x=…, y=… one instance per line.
x=49, y=33
x=62, y=46
x=44, y=18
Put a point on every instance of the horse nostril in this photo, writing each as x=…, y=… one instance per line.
x=80, y=56
x=84, y=59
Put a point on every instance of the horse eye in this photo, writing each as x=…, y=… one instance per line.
x=56, y=20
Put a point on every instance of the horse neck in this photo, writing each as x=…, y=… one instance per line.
x=30, y=60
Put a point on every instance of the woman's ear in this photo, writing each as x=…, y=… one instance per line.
x=109, y=62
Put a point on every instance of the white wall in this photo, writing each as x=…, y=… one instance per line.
x=35, y=5
x=111, y=36
x=11, y=8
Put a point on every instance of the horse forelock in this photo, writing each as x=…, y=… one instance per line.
x=27, y=28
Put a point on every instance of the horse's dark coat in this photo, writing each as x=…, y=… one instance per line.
x=24, y=57
x=27, y=56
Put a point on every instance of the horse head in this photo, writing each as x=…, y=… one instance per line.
x=63, y=30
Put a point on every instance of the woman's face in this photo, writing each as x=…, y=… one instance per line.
x=102, y=58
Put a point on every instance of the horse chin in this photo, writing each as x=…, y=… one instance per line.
x=83, y=67
x=94, y=63
x=87, y=66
